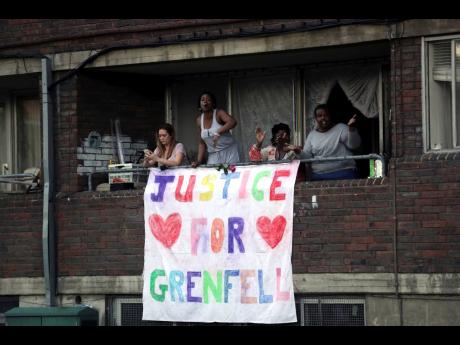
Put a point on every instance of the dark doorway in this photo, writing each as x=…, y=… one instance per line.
x=342, y=111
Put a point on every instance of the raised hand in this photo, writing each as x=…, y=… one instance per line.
x=352, y=121
x=260, y=136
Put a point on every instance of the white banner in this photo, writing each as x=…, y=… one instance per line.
x=218, y=246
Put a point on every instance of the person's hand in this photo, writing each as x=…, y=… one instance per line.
x=154, y=158
x=282, y=139
x=147, y=153
x=215, y=139
x=352, y=121
x=289, y=147
x=260, y=136
x=194, y=164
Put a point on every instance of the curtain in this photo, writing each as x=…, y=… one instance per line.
x=29, y=135
x=261, y=101
x=360, y=84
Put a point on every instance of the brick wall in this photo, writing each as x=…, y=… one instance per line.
x=101, y=233
x=87, y=103
x=428, y=208
x=47, y=36
x=407, y=95
x=349, y=229
x=343, y=227
x=21, y=235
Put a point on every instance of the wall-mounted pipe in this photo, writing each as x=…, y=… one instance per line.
x=48, y=227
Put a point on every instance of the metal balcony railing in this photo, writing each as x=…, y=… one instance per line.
x=358, y=157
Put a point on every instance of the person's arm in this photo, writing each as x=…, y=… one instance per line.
x=149, y=160
x=255, y=150
x=179, y=155
x=353, y=140
x=228, y=122
x=201, y=146
x=307, y=149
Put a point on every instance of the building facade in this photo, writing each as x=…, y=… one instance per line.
x=370, y=251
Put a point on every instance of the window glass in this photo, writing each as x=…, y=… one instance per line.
x=457, y=91
x=28, y=133
x=440, y=95
x=3, y=139
x=261, y=101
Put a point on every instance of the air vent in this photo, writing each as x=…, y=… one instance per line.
x=331, y=311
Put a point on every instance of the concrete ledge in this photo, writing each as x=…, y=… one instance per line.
x=228, y=47
x=318, y=283
x=100, y=285
x=22, y=286
x=381, y=283
x=344, y=283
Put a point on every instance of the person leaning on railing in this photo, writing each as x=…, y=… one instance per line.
x=168, y=152
x=331, y=140
x=280, y=148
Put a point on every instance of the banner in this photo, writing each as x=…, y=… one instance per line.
x=218, y=246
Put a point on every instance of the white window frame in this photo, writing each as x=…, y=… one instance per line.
x=425, y=93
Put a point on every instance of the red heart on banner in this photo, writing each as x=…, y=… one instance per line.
x=271, y=231
x=167, y=231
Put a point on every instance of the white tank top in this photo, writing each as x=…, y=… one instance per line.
x=225, y=139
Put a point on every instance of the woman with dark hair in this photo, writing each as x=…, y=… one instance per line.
x=214, y=126
x=332, y=140
x=281, y=148
x=168, y=152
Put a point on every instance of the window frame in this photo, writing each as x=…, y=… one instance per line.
x=426, y=94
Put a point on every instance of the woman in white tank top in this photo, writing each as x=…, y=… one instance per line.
x=215, y=137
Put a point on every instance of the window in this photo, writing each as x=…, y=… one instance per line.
x=442, y=93
x=20, y=135
x=266, y=96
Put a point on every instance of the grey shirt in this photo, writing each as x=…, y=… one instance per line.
x=336, y=142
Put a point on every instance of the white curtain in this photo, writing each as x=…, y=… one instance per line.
x=359, y=82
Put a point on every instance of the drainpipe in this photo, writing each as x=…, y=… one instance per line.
x=396, y=155
x=48, y=230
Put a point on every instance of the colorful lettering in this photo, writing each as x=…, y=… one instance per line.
x=176, y=285
x=227, y=179
x=257, y=193
x=227, y=284
x=188, y=196
x=191, y=285
x=244, y=181
x=198, y=232
x=263, y=298
x=208, y=181
x=217, y=235
x=280, y=295
x=275, y=184
x=163, y=288
x=235, y=229
x=216, y=289
x=245, y=286
x=162, y=180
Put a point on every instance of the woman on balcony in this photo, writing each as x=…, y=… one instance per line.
x=215, y=137
x=280, y=148
x=168, y=152
x=331, y=140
